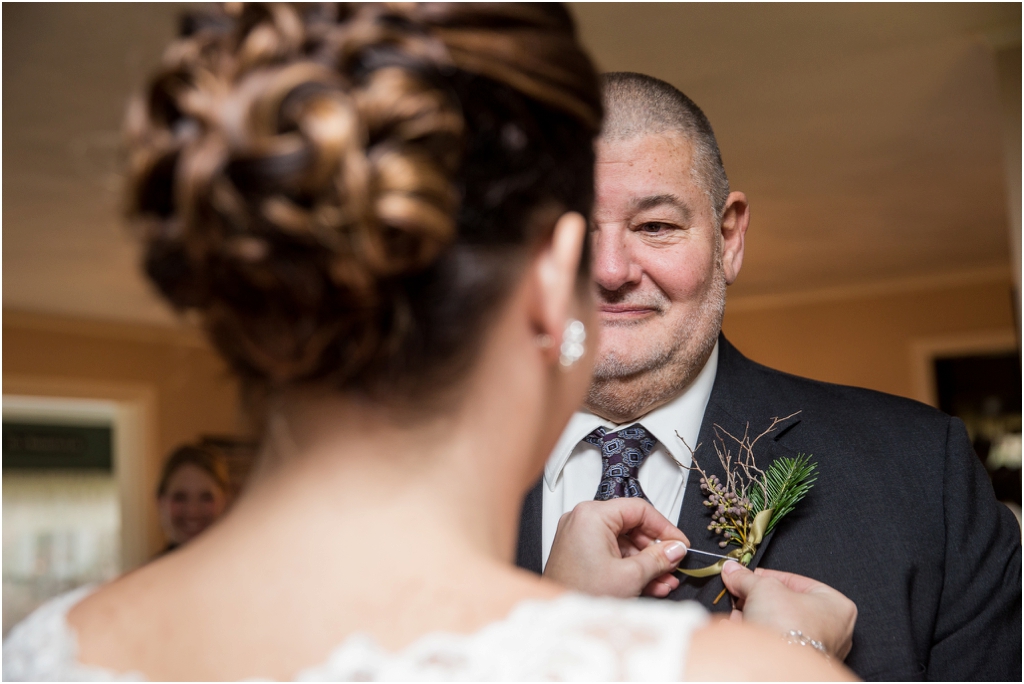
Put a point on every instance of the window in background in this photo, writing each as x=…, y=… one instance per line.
x=61, y=505
x=984, y=392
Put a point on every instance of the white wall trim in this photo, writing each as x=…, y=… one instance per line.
x=924, y=351
x=880, y=288
x=135, y=447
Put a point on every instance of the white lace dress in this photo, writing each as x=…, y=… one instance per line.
x=574, y=637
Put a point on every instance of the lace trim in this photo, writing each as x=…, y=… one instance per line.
x=44, y=648
x=573, y=637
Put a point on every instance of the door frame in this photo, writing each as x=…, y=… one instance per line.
x=925, y=350
x=135, y=449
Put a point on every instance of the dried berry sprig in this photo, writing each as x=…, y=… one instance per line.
x=730, y=510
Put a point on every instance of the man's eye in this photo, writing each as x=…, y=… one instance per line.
x=653, y=227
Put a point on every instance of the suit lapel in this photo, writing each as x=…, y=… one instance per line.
x=528, y=547
x=731, y=406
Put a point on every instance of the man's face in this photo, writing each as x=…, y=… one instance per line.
x=658, y=268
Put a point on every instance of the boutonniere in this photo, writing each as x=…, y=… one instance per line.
x=750, y=502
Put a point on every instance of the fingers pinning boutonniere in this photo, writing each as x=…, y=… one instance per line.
x=750, y=502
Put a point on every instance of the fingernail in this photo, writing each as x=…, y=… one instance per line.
x=730, y=567
x=675, y=551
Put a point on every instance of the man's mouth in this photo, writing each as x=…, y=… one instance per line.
x=624, y=311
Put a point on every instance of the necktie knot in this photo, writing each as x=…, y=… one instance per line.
x=622, y=454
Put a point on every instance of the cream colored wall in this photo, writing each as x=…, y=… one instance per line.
x=874, y=340
x=173, y=374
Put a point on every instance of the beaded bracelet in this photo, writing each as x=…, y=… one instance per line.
x=795, y=636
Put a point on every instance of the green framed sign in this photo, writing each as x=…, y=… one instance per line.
x=38, y=446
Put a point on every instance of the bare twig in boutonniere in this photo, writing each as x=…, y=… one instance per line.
x=751, y=501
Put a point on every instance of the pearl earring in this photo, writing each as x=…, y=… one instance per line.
x=572, y=343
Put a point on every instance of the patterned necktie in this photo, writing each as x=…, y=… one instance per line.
x=622, y=454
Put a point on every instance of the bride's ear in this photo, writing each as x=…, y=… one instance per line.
x=555, y=269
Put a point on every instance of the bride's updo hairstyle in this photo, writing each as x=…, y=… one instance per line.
x=346, y=192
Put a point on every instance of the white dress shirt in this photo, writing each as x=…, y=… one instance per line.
x=573, y=470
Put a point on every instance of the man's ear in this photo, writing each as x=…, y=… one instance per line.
x=555, y=269
x=735, y=219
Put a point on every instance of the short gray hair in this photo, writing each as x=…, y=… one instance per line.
x=636, y=104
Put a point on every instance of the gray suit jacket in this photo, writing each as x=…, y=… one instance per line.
x=902, y=520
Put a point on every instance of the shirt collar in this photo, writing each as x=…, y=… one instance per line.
x=682, y=416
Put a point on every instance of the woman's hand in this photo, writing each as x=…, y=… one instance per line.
x=622, y=547
x=783, y=601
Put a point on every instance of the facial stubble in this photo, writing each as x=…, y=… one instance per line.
x=624, y=389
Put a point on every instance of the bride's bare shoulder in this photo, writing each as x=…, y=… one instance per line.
x=117, y=625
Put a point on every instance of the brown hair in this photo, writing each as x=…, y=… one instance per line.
x=213, y=464
x=344, y=192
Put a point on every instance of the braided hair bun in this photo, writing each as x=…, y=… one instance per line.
x=337, y=189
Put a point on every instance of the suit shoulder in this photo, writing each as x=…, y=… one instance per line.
x=847, y=398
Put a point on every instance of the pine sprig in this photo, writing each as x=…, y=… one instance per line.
x=783, y=485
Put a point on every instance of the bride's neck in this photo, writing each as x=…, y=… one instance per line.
x=344, y=475
x=453, y=475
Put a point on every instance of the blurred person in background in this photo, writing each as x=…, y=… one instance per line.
x=194, y=491
x=378, y=211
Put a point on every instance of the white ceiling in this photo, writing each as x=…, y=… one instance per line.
x=867, y=138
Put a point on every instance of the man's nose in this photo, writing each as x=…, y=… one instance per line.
x=613, y=265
